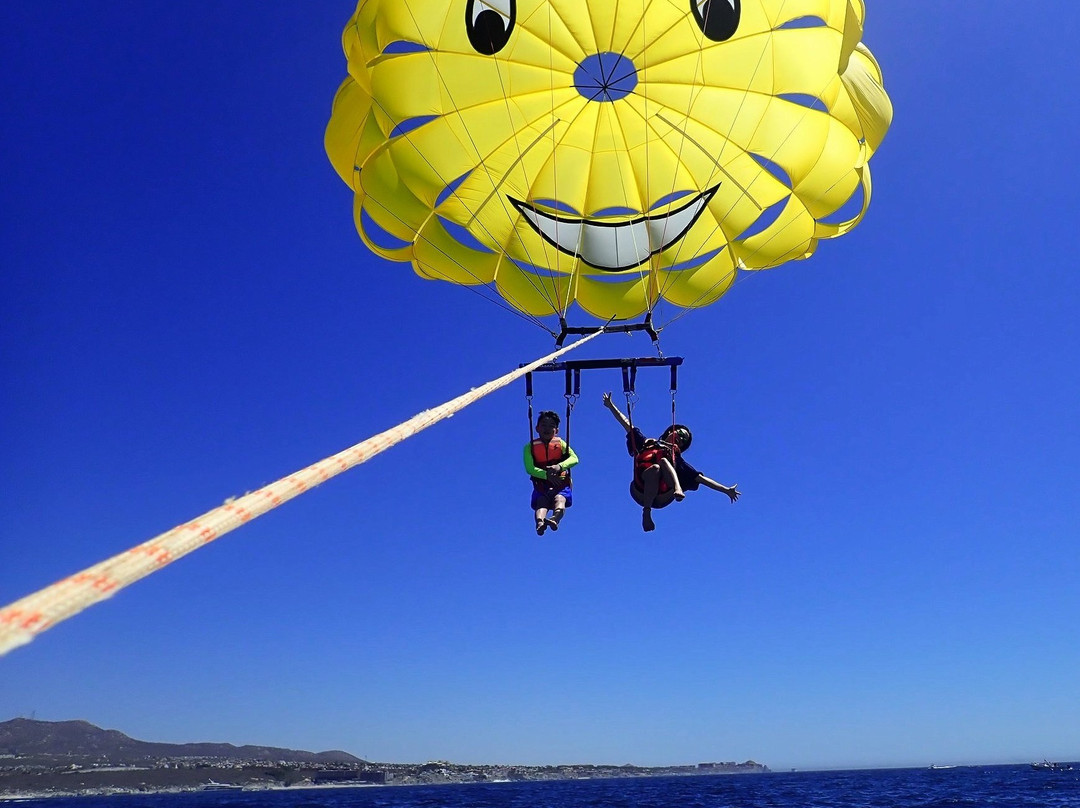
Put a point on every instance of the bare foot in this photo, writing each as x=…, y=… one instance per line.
x=552, y=523
x=647, y=523
x=680, y=496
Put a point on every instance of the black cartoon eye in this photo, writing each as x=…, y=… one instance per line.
x=717, y=19
x=489, y=23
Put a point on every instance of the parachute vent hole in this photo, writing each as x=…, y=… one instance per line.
x=695, y=262
x=615, y=211
x=556, y=205
x=802, y=22
x=403, y=46
x=667, y=199
x=805, y=100
x=409, y=124
x=764, y=221
x=776, y=171
x=379, y=236
x=451, y=189
x=848, y=211
x=462, y=236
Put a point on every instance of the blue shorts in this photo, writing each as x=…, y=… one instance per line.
x=545, y=498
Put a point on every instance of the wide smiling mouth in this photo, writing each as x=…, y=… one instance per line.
x=614, y=246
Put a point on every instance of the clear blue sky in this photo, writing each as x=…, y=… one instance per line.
x=186, y=313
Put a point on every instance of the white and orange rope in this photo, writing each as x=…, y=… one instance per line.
x=24, y=619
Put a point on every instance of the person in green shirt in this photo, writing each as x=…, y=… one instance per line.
x=548, y=460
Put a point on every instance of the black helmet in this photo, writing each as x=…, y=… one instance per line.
x=680, y=435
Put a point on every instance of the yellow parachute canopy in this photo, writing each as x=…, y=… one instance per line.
x=607, y=153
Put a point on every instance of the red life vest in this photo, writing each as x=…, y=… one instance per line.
x=548, y=454
x=650, y=455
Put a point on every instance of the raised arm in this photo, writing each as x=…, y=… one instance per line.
x=617, y=413
x=731, y=490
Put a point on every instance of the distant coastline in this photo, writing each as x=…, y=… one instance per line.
x=76, y=758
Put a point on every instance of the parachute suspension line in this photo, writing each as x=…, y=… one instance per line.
x=712, y=158
x=564, y=306
x=741, y=276
x=23, y=620
x=550, y=273
x=575, y=271
x=556, y=304
x=687, y=138
x=646, y=269
x=497, y=300
x=717, y=166
x=727, y=137
x=480, y=158
x=715, y=160
x=475, y=288
x=506, y=174
x=663, y=284
x=806, y=113
x=529, y=398
x=653, y=296
x=654, y=260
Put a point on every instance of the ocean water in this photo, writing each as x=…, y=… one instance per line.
x=963, y=787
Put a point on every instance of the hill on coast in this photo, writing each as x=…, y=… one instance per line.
x=75, y=741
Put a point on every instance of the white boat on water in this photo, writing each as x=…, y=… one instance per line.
x=1047, y=766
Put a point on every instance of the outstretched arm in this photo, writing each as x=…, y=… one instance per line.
x=731, y=490
x=617, y=413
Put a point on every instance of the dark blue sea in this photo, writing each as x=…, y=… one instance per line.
x=974, y=786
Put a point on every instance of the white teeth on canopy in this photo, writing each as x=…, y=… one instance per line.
x=615, y=247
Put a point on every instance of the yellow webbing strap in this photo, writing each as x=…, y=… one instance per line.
x=26, y=618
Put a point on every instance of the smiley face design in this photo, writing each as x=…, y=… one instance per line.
x=605, y=153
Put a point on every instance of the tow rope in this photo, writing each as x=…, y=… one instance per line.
x=24, y=619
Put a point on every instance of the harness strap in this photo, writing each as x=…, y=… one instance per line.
x=629, y=377
x=528, y=398
x=573, y=391
x=674, y=389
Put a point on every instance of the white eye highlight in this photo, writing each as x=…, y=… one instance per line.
x=501, y=7
x=717, y=19
x=489, y=24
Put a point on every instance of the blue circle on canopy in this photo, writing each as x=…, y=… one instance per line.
x=605, y=76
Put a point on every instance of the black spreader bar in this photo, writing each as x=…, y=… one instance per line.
x=628, y=366
x=646, y=326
